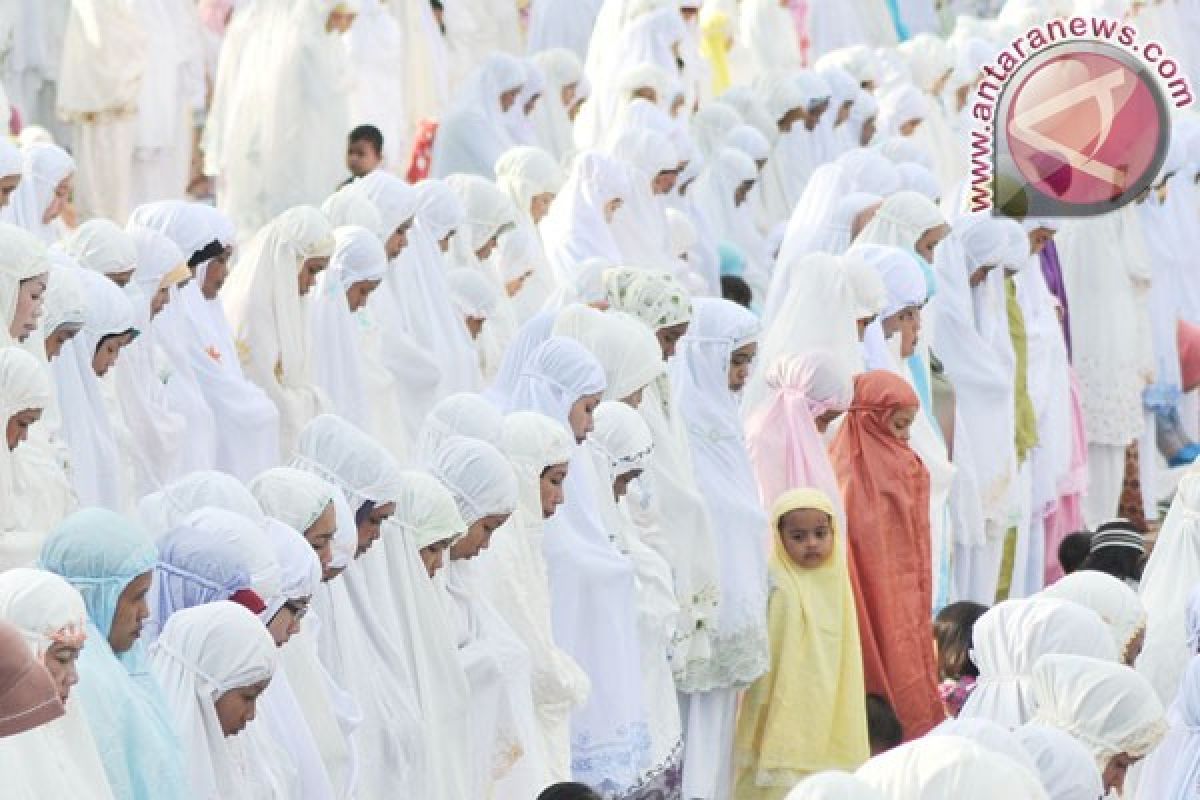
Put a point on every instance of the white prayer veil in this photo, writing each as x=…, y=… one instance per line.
x=165, y=509
x=10, y=158
x=268, y=316
x=714, y=194
x=1172, y=770
x=575, y=227
x=640, y=226
x=938, y=767
x=833, y=786
x=58, y=759
x=988, y=735
x=1108, y=707
x=351, y=205
x=1065, y=766
x=293, y=496
x=205, y=652
x=627, y=351
x=820, y=222
x=358, y=256
x=473, y=294
x=712, y=126
x=902, y=219
x=475, y=131
x=868, y=171
x=460, y=414
x=700, y=385
x=44, y=167
x=551, y=118
x=21, y=257
x=24, y=386
x=798, y=151
x=249, y=538
x=194, y=567
x=906, y=288
x=102, y=246
x=1111, y=599
x=1008, y=641
x=534, y=442
x=524, y=172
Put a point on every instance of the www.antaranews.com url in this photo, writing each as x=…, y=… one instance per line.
x=1056, y=31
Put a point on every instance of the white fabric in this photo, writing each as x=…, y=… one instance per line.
x=21, y=257
x=575, y=228
x=43, y=168
x=203, y=653
x=948, y=766
x=163, y=510
x=1172, y=771
x=562, y=69
x=629, y=353
x=714, y=195
x=460, y=414
x=100, y=245
x=1008, y=641
x=350, y=205
x=640, y=224
x=58, y=759
x=1065, y=766
x=797, y=152
x=1111, y=599
x=375, y=46
x=475, y=132
x=269, y=318
x=833, y=786
x=24, y=386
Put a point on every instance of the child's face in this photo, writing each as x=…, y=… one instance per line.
x=740, y=363
x=807, y=537
x=361, y=158
x=900, y=423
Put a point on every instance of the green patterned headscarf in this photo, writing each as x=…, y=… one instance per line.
x=656, y=298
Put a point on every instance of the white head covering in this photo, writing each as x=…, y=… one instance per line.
x=557, y=374
x=350, y=205
x=561, y=68
x=822, y=218
x=165, y=509
x=24, y=385
x=478, y=475
x=10, y=158
x=63, y=303
x=195, y=566
x=901, y=220
x=627, y=351
x=358, y=255
x=905, y=286
x=833, y=786
x=203, y=653
x=101, y=245
x=1108, y=707
x=476, y=130
x=1065, y=766
x=426, y=511
x=1008, y=641
x=44, y=168
x=714, y=194
x=1172, y=771
x=1110, y=598
x=473, y=294
x=988, y=735
x=21, y=257
x=248, y=537
x=525, y=172
x=575, y=229
x=295, y=497
x=460, y=414
x=949, y=766
x=348, y=459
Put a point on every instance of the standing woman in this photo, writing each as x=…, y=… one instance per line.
x=714, y=362
x=886, y=489
x=110, y=561
x=214, y=661
x=58, y=759
x=23, y=273
x=474, y=133
x=267, y=311
x=577, y=226
x=47, y=174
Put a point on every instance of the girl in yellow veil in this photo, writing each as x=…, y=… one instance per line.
x=808, y=713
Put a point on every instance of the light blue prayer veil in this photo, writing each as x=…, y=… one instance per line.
x=194, y=568
x=99, y=553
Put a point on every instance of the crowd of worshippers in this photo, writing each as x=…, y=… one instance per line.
x=606, y=400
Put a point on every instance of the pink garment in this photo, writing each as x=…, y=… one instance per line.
x=784, y=445
x=800, y=15
x=215, y=13
x=1067, y=516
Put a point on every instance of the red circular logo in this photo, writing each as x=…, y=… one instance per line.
x=1083, y=127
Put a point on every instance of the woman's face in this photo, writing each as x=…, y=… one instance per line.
x=60, y=660
x=645, y=93
x=539, y=204
x=30, y=298
x=1134, y=648
x=8, y=185
x=310, y=268
x=806, y=535
x=740, y=363
x=634, y=400
x=531, y=104
x=900, y=422
x=906, y=323
x=863, y=218
x=215, y=275
x=568, y=94
x=17, y=429
x=236, y=708
x=664, y=181
x=929, y=240
x=434, y=555
x=742, y=192
x=320, y=535
x=160, y=300
x=444, y=242
x=611, y=208
x=843, y=113
x=622, y=481
x=475, y=326
x=339, y=21
x=863, y=324
x=668, y=338
x=59, y=200
x=825, y=419
x=359, y=291
x=1115, y=771
x=489, y=247
x=508, y=98
x=551, y=486
x=55, y=341
x=980, y=274
x=286, y=622
x=396, y=243
x=121, y=278
x=909, y=127
x=371, y=528
x=580, y=417
x=106, y=354
x=1038, y=238
x=132, y=610
x=477, y=538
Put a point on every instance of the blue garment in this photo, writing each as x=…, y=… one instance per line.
x=902, y=33
x=100, y=553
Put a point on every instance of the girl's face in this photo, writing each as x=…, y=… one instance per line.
x=310, y=268
x=477, y=538
x=611, y=207
x=580, y=417
x=475, y=326
x=59, y=660
x=444, y=242
x=807, y=537
x=131, y=611
x=215, y=275
x=55, y=341
x=434, y=555
x=669, y=337
x=122, y=278
x=531, y=104
x=621, y=484
x=740, y=363
x=236, y=708
x=359, y=291
x=30, y=297
x=106, y=353
x=17, y=429
x=396, y=243
x=907, y=324
x=899, y=424
x=339, y=21
x=371, y=527
x=539, y=204
x=286, y=622
x=1114, y=772
x=929, y=240
x=551, y=486
x=8, y=185
x=58, y=202
x=646, y=93
x=825, y=419
x=320, y=535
